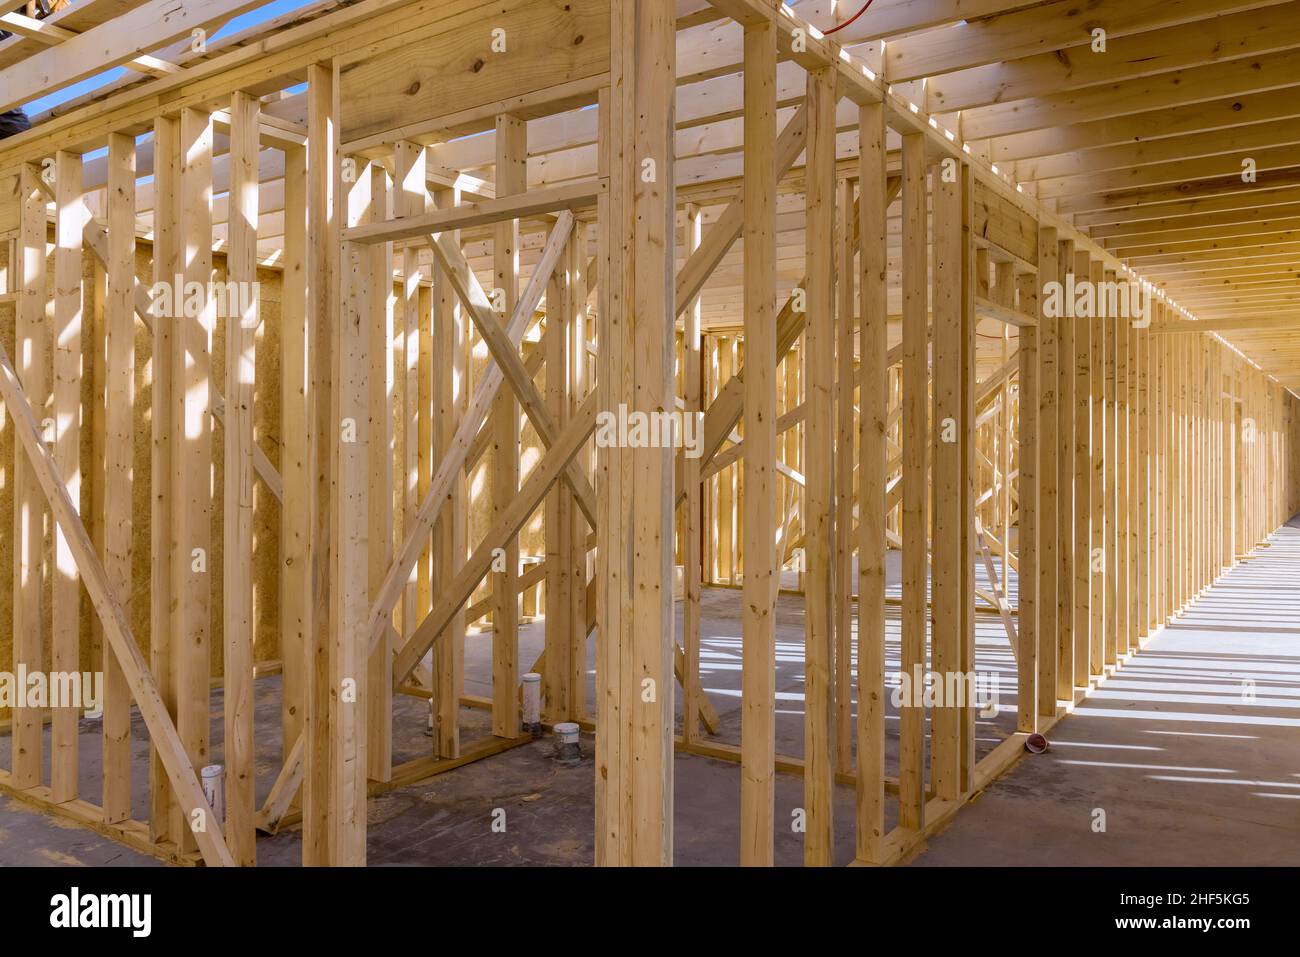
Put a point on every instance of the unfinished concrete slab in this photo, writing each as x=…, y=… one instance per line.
x=822, y=399
x=1186, y=756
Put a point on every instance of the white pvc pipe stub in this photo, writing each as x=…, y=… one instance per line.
x=214, y=789
x=533, y=703
x=568, y=747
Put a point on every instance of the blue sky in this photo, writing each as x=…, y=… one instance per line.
x=242, y=22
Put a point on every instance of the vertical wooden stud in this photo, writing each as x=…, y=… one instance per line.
x=33, y=348
x=634, y=651
x=911, y=768
x=295, y=419
x=1065, y=439
x=192, y=452
x=1027, y=617
x=873, y=456
x=511, y=168
x=237, y=547
x=65, y=594
x=948, y=562
x=118, y=447
x=758, y=683
x=819, y=471
x=695, y=530
x=1048, y=455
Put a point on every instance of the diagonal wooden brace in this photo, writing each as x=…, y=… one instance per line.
x=506, y=353
x=540, y=480
x=699, y=266
x=729, y=404
x=453, y=461
x=180, y=772
x=290, y=776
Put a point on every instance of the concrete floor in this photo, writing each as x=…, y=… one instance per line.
x=1187, y=769
x=549, y=809
x=1196, y=665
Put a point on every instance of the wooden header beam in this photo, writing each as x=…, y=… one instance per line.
x=535, y=202
x=1259, y=324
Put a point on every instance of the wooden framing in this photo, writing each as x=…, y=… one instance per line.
x=911, y=770
x=511, y=155
x=758, y=686
x=873, y=454
x=119, y=428
x=1046, y=597
x=469, y=286
x=819, y=361
x=634, y=791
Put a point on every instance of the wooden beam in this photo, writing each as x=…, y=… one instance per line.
x=65, y=593
x=1099, y=334
x=758, y=665
x=51, y=34
x=511, y=177
x=1081, y=369
x=237, y=512
x=33, y=347
x=361, y=291
x=444, y=376
x=911, y=768
x=120, y=40
x=819, y=445
x=949, y=561
x=377, y=264
x=434, y=432
x=1111, y=561
x=1120, y=326
x=1065, y=439
x=695, y=529
x=1027, y=615
x=846, y=463
x=1003, y=313
x=1252, y=32
x=1053, y=25
x=192, y=449
x=558, y=524
x=581, y=279
x=970, y=389
x=1048, y=565
x=634, y=779
x=322, y=264
x=872, y=457
x=1234, y=324
x=295, y=418
x=118, y=445
x=163, y=411
x=520, y=203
